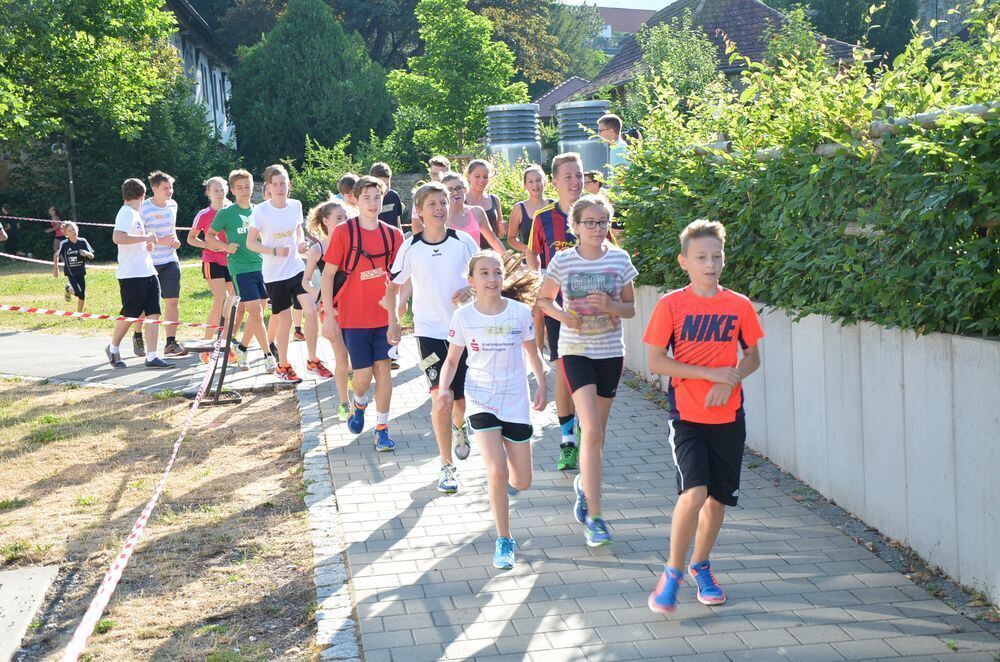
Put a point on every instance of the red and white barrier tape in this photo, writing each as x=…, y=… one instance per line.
x=49, y=220
x=114, y=574
x=96, y=316
x=190, y=265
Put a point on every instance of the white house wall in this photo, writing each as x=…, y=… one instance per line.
x=211, y=84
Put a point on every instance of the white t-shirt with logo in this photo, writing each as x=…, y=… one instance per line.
x=134, y=261
x=161, y=221
x=437, y=271
x=496, y=381
x=277, y=228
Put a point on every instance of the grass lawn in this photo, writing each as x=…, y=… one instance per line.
x=224, y=570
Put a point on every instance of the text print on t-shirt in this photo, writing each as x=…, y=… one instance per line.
x=708, y=328
x=578, y=287
x=378, y=272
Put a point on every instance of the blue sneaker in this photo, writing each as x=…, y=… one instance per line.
x=503, y=558
x=383, y=444
x=709, y=591
x=580, y=508
x=356, y=422
x=595, y=531
x=663, y=599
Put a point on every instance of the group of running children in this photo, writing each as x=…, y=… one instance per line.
x=479, y=317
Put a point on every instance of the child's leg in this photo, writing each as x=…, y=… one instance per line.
x=519, y=464
x=283, y=327
x=362, y=382
x=458, y=413
x=497, y=474
x=152, y=334
x=441, y=420
x=218, y=289
x=296, y=318
x=310, y=316
x=256, y=319
x=709, y=523
x=592, y=444
x=383, y=385
x=342, y=363
x=684, y=522
x=79, y=305
x=121, y=328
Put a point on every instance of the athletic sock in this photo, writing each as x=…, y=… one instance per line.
x=114, y=349
x=382, y=418
x=150, y=356
x=241, y=347
x=171, y=340
x=566, y=426
x=360, y=401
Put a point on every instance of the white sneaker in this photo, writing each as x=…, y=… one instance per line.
x=270, y=363
x=241, y=358
x=448, y=482
x=460, y=441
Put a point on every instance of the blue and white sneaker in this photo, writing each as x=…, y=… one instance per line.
x=356, y=422
x=383, y=444
x=448, y=482
x=595, y=532
x=580, y=508
x=663, y=599
x=503, y=558
x=709, y=591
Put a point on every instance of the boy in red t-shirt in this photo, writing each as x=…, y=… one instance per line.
x=359, y=308
x=702, y=324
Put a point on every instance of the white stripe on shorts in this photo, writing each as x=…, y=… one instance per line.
x=673, y=451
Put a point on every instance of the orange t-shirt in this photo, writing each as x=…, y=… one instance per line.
x=359, y=306
x=703, y=331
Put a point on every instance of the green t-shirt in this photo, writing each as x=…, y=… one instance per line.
x=233, y=220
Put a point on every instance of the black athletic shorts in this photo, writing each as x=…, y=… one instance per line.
x=213, y=270
x=710, y=455
x=140, y=296
x=432, y=355
x=79, y=284
x=603, y=373
x=552, y=326
x=169, y=275
x=518, y=433
x=283, y=293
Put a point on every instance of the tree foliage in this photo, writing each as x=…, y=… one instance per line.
x=61, y=60
x=846, y=20
x=306, y=76
x=924, y=253
x=461, y=72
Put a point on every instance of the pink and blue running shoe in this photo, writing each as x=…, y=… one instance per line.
x=709, y=591
x=663, y=599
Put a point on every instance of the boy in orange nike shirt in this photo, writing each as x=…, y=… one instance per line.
x=703, y=324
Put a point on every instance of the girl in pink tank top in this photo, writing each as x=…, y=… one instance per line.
x=471, y=220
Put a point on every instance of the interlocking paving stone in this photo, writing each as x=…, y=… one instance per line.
x=422, y=585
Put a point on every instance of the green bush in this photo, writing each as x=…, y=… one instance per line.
x=316, y=180
x=508, y=183
x=926, y=258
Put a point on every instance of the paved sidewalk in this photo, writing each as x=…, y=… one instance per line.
x=418, y=563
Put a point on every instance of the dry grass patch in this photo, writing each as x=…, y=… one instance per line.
x=223, y=571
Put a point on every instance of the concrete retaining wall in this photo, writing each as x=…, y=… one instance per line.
x=901, y=430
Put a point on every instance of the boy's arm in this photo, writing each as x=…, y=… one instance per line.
x=391, y=297
x=661, y=364
x=254, y=243
x=122, y=238
x=55, y=264
x=89, y=253
x=213, y=242
x=445, y=395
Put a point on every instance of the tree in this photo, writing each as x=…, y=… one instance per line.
x=461, y=72
x=247, y=21
x=307, y=76
x=61, y=59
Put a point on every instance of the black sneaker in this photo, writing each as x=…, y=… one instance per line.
x=159, y=363
x=274, y=351
x=113, y=358
x=175, y=349
x=138, y=345
x=68, y=292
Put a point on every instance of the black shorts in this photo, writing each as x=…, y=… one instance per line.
x=213, y=270
x=552, y=326
x=710, y=455
x=518, y=433
x=140, y=296
x=169, y=275
x=79, y=284
x=284, y=293
x=603, y=373
x=433, y=352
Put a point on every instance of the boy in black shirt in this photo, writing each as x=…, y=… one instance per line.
x=392, y=205
x=73, y=250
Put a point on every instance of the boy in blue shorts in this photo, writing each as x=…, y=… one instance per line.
x=703, y=325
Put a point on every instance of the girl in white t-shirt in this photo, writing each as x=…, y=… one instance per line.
x=498, y=332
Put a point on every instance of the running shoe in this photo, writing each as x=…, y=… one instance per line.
x=175, y=349
x=138, y=345
x=114, y=358
x=274, y=351
x=568, y=455
x=503, y=557
x=298, y=336
x=383, y=444
x=356, y=422
x=241, y=358
x=344, y=411
x=286, y=374
x=270, y=363
x=68, y=292
x=460, y=441
x=663, y=599
x=709, y=591
x=159, y=363
x=512, y=491
x=317, y=368
x=596, y=532
x=448, y=482
x=580, y=508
